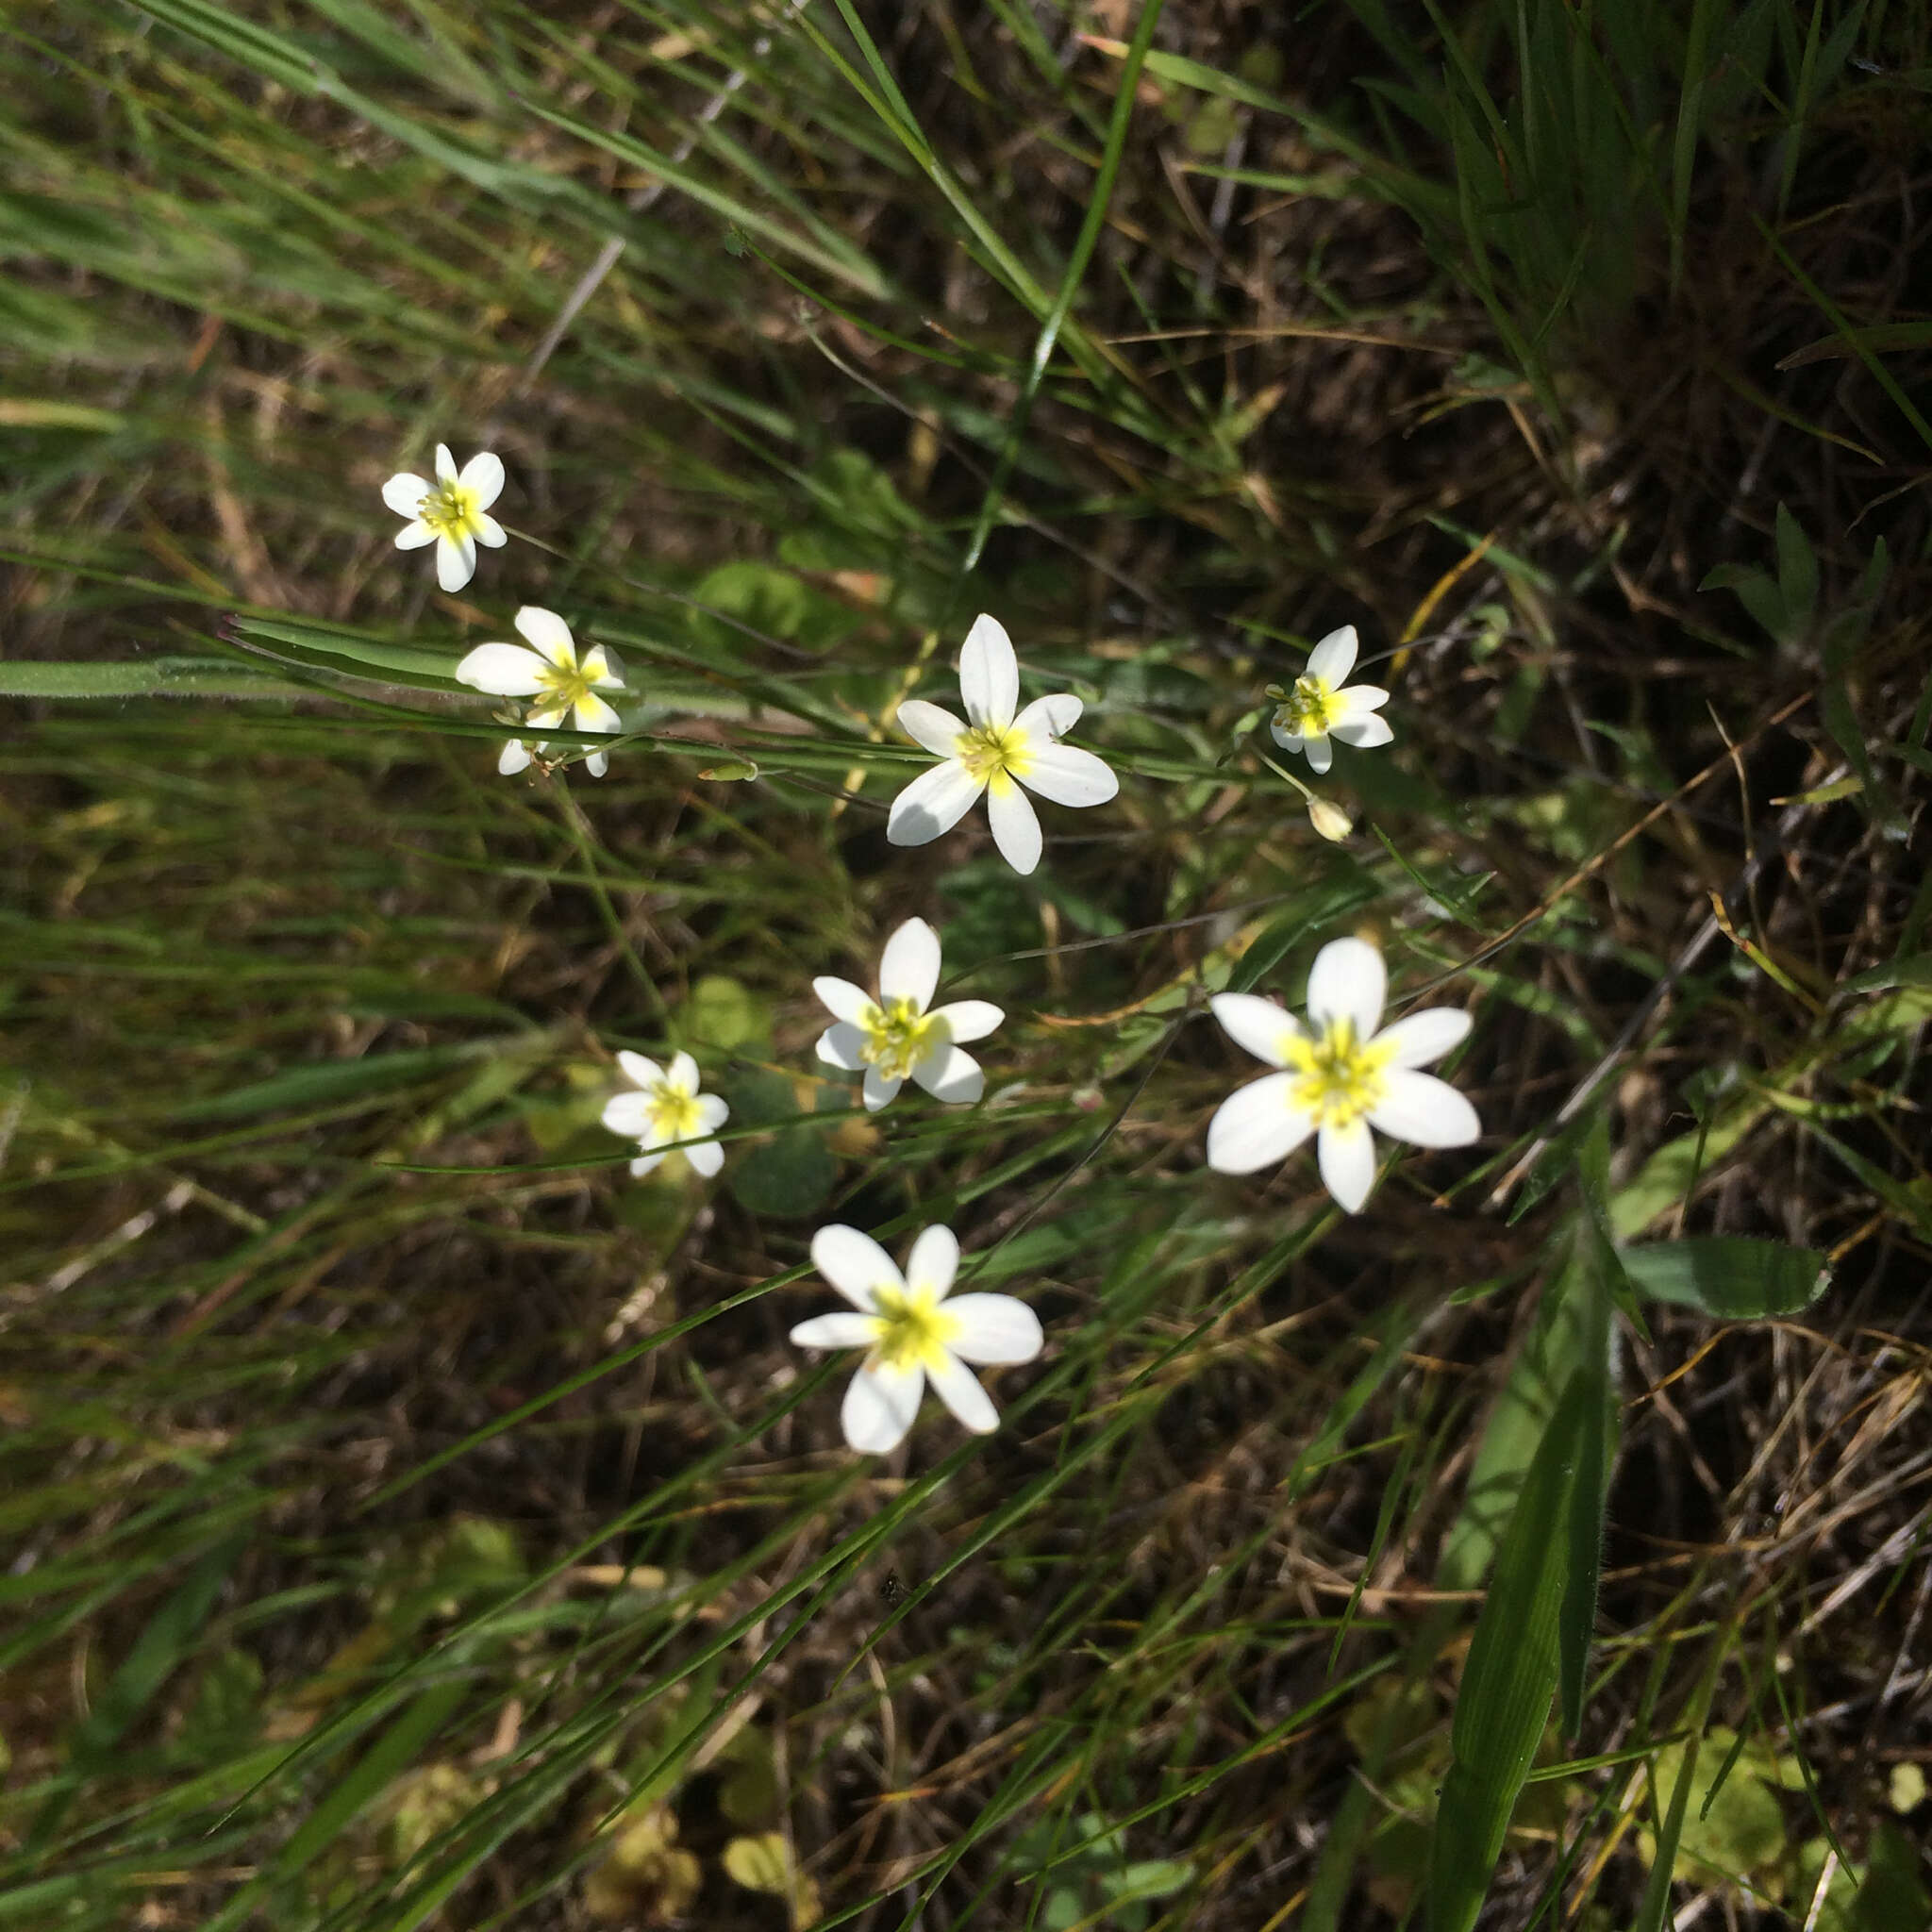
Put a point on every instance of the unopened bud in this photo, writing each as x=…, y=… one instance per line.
x=1330, y=821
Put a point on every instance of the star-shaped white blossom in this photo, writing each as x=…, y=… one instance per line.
x=1339, y=1077
x=667, y=1107
x=449, y=512
x=995, y=752
x=564, y=684
x=915, y=1330
x=1316, y=710
x=894, y=1035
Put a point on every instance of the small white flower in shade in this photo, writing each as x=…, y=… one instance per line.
x=998, y=750
x=550, y=672
x=518, y=753
x=894, y=1037
x=667, y=1107
x=1339, y=1077
x=1317, y=709
x=915, y=1330
x=449, y=512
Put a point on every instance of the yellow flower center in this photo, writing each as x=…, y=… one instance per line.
x=673, y=1113
x=451, y=510
x=914, y=1328
x=897, y=1036
x=564, y=685
x=1341, y=1078
x=994, y=753
x=1308, y=710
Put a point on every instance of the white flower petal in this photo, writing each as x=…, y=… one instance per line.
x=841, y=1330
x=542, y=717
x=1424, y=1112
x=505, y=671
x=881, y=1403
x=1364, y=732
x=1260, y=1026
x=856, y=1265
x=951, y=1075
x=403, y=493
x=957, y=1387
x=933, y=804
x=1050, y=717
x=628, y=1114
x=989, y=672
x=1425, y=1036
x=548, y=634
x=932, y=726
x=1359, y=698
x=713, y=1111
x=643, y=1164
x=1319, y=753
x=1068, y=775
x=414, y=537
x=601, y=666
x=995, y=1328
x=1333, y=658
x=513, y=758
x=707, y=1157
x=491, y=533
x=593, y=714
x=597, y=763
x=456, y=561
x=482, y=475
x=1256, y=1126
x=1348, y=981
x=646, y=1073
x=1288, y=741
x=878, y=1090
x=934, y=1261
x=1015, y=826
x=966, y=1020
x=682, y=1074
x=839, y=1046
x=909, y=966
x=445, y=464
x=846, y=1002
x=1346, y=1157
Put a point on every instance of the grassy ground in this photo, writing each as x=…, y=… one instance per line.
x=414, y=1520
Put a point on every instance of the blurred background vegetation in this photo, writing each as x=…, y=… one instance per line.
x=411, y=1521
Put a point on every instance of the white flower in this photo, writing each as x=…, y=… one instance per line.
x=449, y=512
x=553, y=673
x=993, y=751
x=914, y=1332
x=894, y=1035
x=667, y=1107
x=518, y=752
x=1315, y=710
x=1342, y=1076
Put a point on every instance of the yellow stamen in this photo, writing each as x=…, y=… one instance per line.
x=1341, y=1079
x=1309, y=709
x=915, y=1327
x=451, y=510
x=897, y=1036
x=993, y=753
x=673, y=1113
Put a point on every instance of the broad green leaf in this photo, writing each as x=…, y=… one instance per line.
x=1734, y=1278
x=1503, y=1701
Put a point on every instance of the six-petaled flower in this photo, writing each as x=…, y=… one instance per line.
x=915, y=1329
x=1339, y=1076
x=894, y=1037
x=667, y=1107
x=998, y=750
x=564, y=684
x=1317, y=709
x=450, y=512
